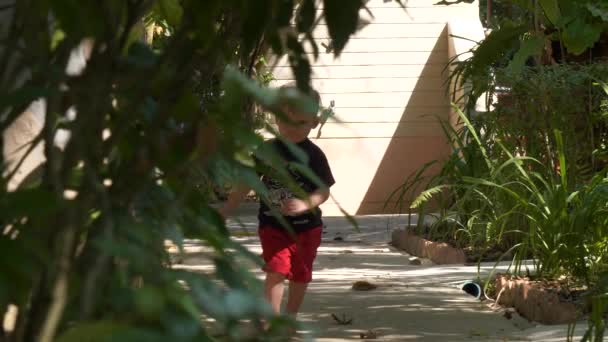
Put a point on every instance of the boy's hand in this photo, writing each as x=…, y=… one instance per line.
x=293, y=207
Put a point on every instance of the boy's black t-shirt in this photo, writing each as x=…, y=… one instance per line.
x=317, y=162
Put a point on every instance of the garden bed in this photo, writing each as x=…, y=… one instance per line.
x=539, y=300
x=437, y=252
x=543, y=301
x=443, y=252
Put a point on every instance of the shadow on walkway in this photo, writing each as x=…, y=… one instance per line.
x=421, y=303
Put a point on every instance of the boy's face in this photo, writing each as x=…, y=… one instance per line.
x=298, y=126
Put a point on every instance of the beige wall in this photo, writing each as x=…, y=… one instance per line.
x=18, y=137
x=460, y=50
x=388, y=88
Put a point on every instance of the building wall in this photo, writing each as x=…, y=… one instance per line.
x=389, y=90
x=18, y=137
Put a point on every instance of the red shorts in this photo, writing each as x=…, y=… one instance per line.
x=289, y=255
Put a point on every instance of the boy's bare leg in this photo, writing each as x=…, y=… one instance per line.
x=273, y=289
x=295, y=297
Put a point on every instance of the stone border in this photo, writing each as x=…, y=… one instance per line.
x=535, y=302
x=437, y=252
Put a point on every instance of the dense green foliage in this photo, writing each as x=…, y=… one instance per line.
x=527, y=177
x=83, y=244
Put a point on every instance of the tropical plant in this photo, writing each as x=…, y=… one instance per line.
x=599, y=308
x=539, y=32
x=497, y=193
x=543, y=137
x=490, y=184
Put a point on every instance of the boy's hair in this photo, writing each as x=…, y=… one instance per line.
x=312, y=93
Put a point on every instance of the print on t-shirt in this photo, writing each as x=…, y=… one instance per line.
x=278, y=192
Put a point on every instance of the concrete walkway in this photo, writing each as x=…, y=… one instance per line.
x=410, y=303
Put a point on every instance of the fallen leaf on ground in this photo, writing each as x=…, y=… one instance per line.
x=362, y=285
x=478, y=333
x=369, y=335
x=342, y=320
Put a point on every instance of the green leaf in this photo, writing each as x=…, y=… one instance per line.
x=598, y=10
x=246, y=253
x=78, y=19
x=186, y=107
x=207, y=294
x=258, y=17
x=244, y=158
x=342, y=17
x=108, y=331
x=305, y=171
x=241, y=303
x=426, y=195
x=525, y=4
x=313, y=44
x=18, y=278
x=578, y=36
x=572, y=196
x=284, y=13
x=275, y=42
x=529, y=47
x=141, y=55
x=300, y=66
x=604, y=85
x=490, y=51
x=306, y=16
x=171, y=10
x=562, y=158
x=235, y=83
x=296, y=151
x=296, y=99
x=23, y=96
x=551, y=9
x=475, y=136
x=351, y=219
x=204, y=15
x=149, y=302
x=185, y=302
x=35, y=202
x=90, y=332
x=57, y=37
x=496, y=44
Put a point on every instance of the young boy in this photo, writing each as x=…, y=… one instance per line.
x=288, y=255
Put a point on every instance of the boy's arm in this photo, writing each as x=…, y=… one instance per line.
x=294, y=206
x=234, y=199
x=318, y=197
